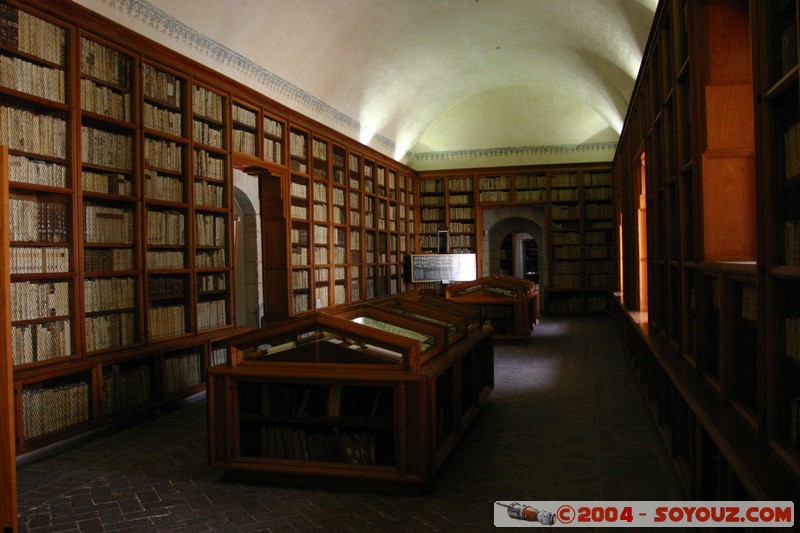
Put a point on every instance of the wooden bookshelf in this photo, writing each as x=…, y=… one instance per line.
x=579, y=223
x=708, y=322
x=8, y=465
x=133, y=174
x=373, y=394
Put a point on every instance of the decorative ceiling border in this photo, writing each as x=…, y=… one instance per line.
x=478, y=153
x=173, y=28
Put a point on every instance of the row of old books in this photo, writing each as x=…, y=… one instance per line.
x=162, y=187
x=165, y=259
x=31, y=343
x=104, y=224
x=26, y=170
x=791, y=240
x=244, y=142
x=125, y=388
x=105, y=148
x=109, y=294
x=243, y=116
x=181, y=372
x=320, y=255
x=300, y=279
x=49, y=409
x=31, y=35
x=162, y=86
x=211, y=282
x=320, y=213
x=35, y=218
x=564, y=180
x=301, y=302
x=209, y=230
x=166, y=155
x=104, y=63
x=166, y=321
x=208, y=194
x=321, y=293
x=38, y=260
x=109, y=331
x=162, y=119
x=27, y=77
x=563, y=194
x=598, y=193
x=299, y=255
x=211, y=314
x=791, y=140
x=105, y=101
x=597, y=252
x=207, y=104
x=34, y=300
x=307, y=445
x=210, y=259
x=107, y=183
x=599, y=211
x=530, y=195
x=100, y=260
x=273, y=151
x=340, y=294
x=31, y=132
x=298, y=144
x=158, y=286
x=218, y=356
x=792, y=325
x=205, y=133
x=209, y=166
x=166, y=228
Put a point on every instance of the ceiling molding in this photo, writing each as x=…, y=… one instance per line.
x=173, y=28
x=481, y=153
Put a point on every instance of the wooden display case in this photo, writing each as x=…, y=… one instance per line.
x=364, y=394
x=510, y=305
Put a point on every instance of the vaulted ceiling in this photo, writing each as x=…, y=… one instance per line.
x=431, y=83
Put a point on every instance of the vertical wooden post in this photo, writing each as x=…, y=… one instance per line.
x=8, y=465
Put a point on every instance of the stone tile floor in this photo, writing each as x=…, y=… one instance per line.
x=566, y=422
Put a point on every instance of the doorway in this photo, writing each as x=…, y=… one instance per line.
x=512, y=238
x=247, y=242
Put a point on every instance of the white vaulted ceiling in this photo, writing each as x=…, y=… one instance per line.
x=432, y=83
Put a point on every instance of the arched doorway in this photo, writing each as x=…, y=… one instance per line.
x=512, y=240
x=249, y=304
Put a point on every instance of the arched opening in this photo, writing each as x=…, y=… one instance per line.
x=512, y=238
x=247, y=239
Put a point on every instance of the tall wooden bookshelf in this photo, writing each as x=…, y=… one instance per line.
x=709, y=322
x=578, y=212
x=121, y=201
x=8, y=465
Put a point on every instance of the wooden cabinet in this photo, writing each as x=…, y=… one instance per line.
x=510, y=305
x=371, y=394
x=709, y=284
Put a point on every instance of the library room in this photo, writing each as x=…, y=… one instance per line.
x=371, y=265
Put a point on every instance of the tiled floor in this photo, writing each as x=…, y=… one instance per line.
x=566, y=422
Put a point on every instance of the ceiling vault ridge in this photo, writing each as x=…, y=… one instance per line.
x=175, y=29
x=607, y=146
